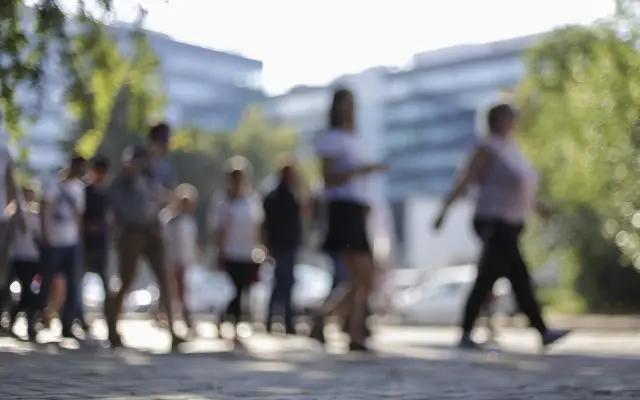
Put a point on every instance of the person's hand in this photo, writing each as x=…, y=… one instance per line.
x=437, y=223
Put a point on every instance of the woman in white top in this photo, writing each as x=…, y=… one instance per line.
x=507, y=184
x=346, y=233
x=236, y=219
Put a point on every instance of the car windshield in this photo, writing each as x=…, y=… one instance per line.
x=444, y=289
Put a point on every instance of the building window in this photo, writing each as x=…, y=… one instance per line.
x=467, y=75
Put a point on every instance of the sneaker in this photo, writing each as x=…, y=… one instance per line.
x=552, y=336
x=359, y=347
x=176, y=341
x=466, y=343
x=68, y=334
x=115, y=341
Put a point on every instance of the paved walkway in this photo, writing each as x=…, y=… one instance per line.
x=411, y=363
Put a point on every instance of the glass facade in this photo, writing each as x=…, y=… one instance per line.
x=431, y=119
x=204, y=88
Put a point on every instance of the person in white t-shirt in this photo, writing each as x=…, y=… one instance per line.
x=63, y=202
x=236, y=221
x=182, y=232
x=344, y=170
x=25, y=262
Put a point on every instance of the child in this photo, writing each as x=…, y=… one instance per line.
x=183, y=243
x=25, y=263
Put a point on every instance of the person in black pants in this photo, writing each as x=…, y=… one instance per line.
x=236, y=222
x=26, y=266
x=283, y=235
x=96, y=229
x=507, y=184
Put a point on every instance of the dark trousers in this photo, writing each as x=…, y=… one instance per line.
x=95, y=257
x=501, y=257
x=25, y=272
x=134, y=243
x=65, y=261
x=284, y=280
x=242, y=275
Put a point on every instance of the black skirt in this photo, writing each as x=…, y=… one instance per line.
x=347, y=228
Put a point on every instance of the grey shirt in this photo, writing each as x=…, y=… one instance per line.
x=133, y=202
x=508, y=188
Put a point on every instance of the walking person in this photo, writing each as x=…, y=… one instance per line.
x=95, y=242
x=183, y=241
x=236, y=222
x=62, y=206
x=160, y=174
x=8, y=194
x=347, y=235
x=25, y=264
x=507, y=184
x=283, y=234
x=135, y=208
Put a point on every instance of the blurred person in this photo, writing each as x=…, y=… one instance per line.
x=346, y=235
x=183, y=241
x=96, y=228
x=161, y=176
x=62, y=206
x=25, y=263
x=508, y=185
x=283, y=236
x=160, y=168
x=139, y=234
x=9, y=193
x=236, y=221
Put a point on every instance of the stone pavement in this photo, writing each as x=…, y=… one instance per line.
x=410, y=363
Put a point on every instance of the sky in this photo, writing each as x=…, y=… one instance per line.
x=312, y=42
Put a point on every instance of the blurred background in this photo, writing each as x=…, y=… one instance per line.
x=255, y=78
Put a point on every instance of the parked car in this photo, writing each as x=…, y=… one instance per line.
x=309, y=292
x=440, y=300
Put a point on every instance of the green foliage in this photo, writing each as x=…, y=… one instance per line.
x=111, y=95
x=28, y=38
x=580, y=108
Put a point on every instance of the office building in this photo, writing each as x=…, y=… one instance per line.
x=435, y=110
x=205, y=89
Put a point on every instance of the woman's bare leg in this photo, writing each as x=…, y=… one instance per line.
x=362, y=278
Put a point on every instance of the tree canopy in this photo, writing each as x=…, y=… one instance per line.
x=31, y=35
x=581, y=126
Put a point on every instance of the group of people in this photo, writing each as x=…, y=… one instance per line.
x=67, y=232
x=507, y=185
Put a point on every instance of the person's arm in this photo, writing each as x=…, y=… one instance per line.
x=45, y=213
x=218, y=228
x=471, y=174
x=81, y=200
x=14, y=195
x=333, y=177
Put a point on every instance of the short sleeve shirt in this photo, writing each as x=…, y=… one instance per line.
x=342, y=147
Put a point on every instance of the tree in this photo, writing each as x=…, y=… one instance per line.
x=580, y=121
x=30, y=36
x=112, y=96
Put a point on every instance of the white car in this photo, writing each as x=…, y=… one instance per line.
x=441, y=299
x=312, y=286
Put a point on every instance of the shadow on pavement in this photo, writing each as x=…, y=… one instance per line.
x=294, y=369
